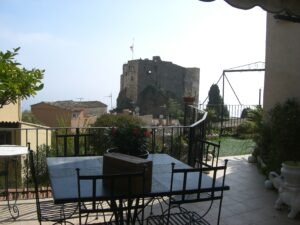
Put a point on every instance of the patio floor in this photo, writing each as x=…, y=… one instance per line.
x=247, y=202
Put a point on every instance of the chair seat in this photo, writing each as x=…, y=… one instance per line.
x=56, y=212
x=180, y=218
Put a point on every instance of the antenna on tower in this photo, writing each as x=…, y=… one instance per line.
x=132, y=48
x=110, y=96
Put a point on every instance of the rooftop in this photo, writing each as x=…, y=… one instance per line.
x=75, y=106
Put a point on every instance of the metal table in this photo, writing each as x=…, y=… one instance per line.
x=63, y=178
x=11, y=152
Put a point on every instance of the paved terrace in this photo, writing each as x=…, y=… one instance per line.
x=247, y=202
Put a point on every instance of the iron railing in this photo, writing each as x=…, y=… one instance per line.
x=224, y=119
x=182, y=142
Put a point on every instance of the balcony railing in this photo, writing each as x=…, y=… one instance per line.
x=224, y=119
x=182, y=142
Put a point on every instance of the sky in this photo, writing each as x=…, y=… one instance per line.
x=83, y=44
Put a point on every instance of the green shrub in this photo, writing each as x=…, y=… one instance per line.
x=40, y=164
x=245, y=113
x=245, y=129
x=100, y=141
x=278, y=137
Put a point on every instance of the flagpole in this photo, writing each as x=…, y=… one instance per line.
x=132, y=49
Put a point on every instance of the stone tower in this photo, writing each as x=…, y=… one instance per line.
x=165, y=77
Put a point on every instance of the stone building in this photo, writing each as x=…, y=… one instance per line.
x=148, y=84
x=14, y=131
x=68, y=113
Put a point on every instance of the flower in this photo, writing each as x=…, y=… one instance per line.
x=129, y=139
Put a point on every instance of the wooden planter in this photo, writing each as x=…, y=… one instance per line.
x=144, y=154
x=291, y=173
x=117, y=163
x=189, y=100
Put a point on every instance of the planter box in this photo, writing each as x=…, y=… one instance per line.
x=117, y=163
x=291, y=173
x=189, y=100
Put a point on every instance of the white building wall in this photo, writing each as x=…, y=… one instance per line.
x=282, y=77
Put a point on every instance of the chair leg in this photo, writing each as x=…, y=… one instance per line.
x=219, y=213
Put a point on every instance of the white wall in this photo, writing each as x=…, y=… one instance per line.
x=282, y=77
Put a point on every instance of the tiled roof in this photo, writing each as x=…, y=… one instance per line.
x=9, y=124
x=77, y=106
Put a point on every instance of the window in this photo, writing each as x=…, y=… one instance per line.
x=5, y=137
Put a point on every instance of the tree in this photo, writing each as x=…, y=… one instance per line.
x=174, y=109
x=17, y=82
x=28, y=116
x=214, y=97
x=215, y=102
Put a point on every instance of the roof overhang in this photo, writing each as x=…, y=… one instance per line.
x=9, y=124
x=286, y=7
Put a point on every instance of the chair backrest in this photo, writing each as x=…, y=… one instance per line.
x=194, y=184
x=118, y=189
x=35, y=183
x=207, y=154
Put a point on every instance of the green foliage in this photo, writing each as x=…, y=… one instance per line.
x=215, y=103
x=214, y=97
x=27, y=116
x=245, y=129
x=255, y=116
x=251, y=127
x=40, y=164
x=245, y=113
x=16, y=82
x=174, y=109
x=129, y=139
x=278, y=135
x=105, y=122
x=124, y=102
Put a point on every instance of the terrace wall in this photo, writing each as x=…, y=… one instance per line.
x=282, y=78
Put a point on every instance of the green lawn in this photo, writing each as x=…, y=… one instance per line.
x=233, y=146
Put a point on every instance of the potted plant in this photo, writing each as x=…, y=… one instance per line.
x=129, y=139
x=285, y=124
x=102, y=137
x=290, y=171
x=189, y=99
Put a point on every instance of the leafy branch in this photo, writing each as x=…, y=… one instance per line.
x=16, y=82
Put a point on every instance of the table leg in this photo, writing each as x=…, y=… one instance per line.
x=13, y=208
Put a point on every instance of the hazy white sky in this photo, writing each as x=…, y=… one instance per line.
x=82, y=44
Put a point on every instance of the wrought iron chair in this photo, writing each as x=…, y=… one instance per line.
x=192, y=191
x=124, y=191
x=208, y=153
x=46, y=209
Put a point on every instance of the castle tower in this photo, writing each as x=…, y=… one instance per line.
x=142, y=77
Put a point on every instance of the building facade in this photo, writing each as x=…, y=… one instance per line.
x=282, y=78
x=14, y=131
x=166, y=77
x=68, y=113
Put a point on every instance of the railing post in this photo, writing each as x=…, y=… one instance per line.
x=185, y=114
x=191, y=145
x=76, y=142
